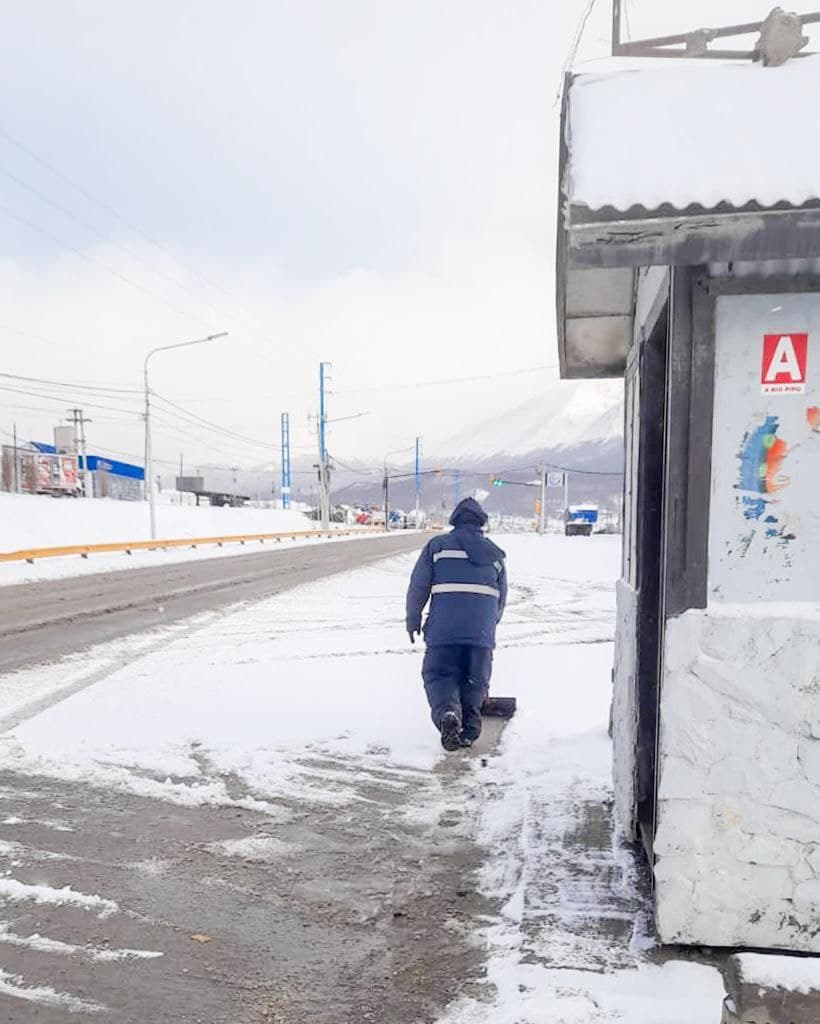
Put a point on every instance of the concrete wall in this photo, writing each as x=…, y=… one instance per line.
x=625, y=710
x=738, y=840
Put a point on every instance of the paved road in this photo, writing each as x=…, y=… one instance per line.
x=44, y=621
x=361, y=911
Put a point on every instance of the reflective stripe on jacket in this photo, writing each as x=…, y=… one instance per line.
x=467, y=592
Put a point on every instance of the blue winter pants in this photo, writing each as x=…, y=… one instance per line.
x=457, y=678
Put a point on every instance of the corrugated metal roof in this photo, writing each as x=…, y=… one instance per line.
x=706, y=134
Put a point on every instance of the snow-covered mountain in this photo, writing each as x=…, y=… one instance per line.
x=567, y=414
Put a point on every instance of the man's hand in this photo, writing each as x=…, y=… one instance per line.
x=412, y=634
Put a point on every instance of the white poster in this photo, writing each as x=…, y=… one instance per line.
x=764, y=529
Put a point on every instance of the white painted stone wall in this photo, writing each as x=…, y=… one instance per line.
x=738, y=838
x=625, y=710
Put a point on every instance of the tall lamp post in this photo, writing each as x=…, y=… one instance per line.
x=386, y=484
x=149, y=473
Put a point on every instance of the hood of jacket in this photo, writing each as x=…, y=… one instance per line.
x=467, y=519
x=468, y=511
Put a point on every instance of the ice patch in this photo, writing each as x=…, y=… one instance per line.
x=261, y=849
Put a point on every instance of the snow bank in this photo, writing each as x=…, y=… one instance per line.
x=29, y=521
x=793, y=973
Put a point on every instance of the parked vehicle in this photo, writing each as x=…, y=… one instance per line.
x=580, y=520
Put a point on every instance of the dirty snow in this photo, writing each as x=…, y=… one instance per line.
x=42, y=944
x=314, y=694
x=263, y=849
x=12, y=891
x=14, y=986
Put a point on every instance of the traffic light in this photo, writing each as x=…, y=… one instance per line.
x=496, y=481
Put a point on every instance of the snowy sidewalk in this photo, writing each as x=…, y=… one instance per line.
x=309, y=705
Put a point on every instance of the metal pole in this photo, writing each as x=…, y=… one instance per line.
x=285, y=460
x=84, y=451
x=457, y=489
x=324, y=483
x=542, y=509
x=386, y=485
x=15, y=474
x=616, y=27
x=149, y=481
x=566, y=492
x=418, y=480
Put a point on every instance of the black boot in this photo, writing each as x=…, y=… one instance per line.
x=450, y=731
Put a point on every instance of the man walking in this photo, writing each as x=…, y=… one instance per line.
x=462, y=574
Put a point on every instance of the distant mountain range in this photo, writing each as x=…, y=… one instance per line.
x=568, y=413
x=574, y=424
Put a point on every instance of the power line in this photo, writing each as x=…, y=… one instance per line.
x=61, y=345
x=98, y=263
x=62, y=399
x=112, y=211
x=72, y=386
x=376, y=387
x=199, y=420
x=573, y=50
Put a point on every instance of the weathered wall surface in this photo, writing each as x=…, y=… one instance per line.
x=624, y=709
x=738, y=840
x=764, y=517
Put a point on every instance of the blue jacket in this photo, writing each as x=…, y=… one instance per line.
x=463, y=572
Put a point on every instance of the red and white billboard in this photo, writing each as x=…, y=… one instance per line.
x=783, y=368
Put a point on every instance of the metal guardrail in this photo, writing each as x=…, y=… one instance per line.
x=84, y=550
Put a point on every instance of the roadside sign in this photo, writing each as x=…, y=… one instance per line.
x=783, y=368
x=555, y=479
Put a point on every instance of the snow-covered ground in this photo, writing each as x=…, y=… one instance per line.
x=38, y=521
x=310, y=694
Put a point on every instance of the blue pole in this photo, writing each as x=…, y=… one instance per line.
x=458, y=489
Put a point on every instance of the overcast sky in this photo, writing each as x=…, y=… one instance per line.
x=369, y=182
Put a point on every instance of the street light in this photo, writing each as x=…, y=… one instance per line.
x=149, y=474
x=386, y=484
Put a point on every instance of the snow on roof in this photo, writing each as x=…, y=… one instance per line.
x=695, y=133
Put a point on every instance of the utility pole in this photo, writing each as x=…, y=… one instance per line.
x=15, y=474
x=79, y=421
x=285, y=460
x=566, y=491
x=324, y=468
x=386, y=487
x=542, y=508
x=418, y=480
x=148, y=472
x=616, y=27
x=457, y=489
